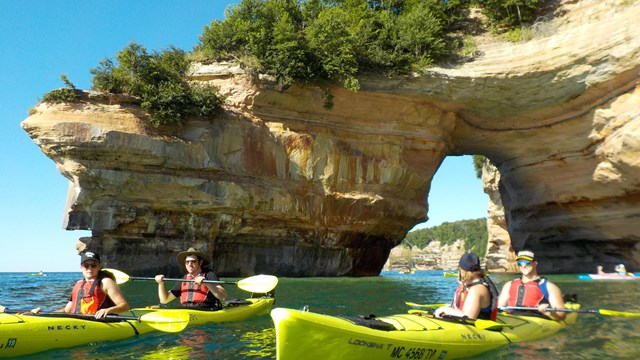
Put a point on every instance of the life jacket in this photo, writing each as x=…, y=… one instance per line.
x=192, y=293
x=87, y=297
x=487, y=313
x=529, y=294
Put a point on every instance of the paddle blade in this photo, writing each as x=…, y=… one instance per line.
x=425, y=305
x=258, y=284
x=166, y=320
x=606, y=312
x=121, y=277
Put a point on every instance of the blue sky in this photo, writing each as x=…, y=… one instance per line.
x=39, y=40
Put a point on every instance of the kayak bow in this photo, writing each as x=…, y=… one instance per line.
x=310, y=336
x=22, y=334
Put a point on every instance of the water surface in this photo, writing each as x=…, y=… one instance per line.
x=592, y=337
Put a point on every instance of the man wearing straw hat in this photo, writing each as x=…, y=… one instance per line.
x=194, y=293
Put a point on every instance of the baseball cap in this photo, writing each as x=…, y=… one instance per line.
x=527, y=255
x=469, y=262
x=89, y=255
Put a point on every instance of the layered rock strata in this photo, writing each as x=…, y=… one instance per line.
x=280, y=185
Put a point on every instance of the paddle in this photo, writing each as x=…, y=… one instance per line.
x=163, y=320
x=256, y=284
x=478, y=323
x=604, y=312
x=425, y=305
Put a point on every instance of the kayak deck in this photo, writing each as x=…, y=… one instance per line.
x=315, y=336
x=28, y=334
x=236, y=311
x=630, y=276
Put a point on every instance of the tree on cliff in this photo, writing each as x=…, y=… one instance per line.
x=307, y=41
x=159, y=79
x=473, y=232
x=336, y=40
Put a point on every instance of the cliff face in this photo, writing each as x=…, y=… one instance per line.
x=280, y=185
x=434, y=256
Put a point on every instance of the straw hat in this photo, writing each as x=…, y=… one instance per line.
x=192, y=251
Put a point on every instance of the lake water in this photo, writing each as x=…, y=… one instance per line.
x=592, y=337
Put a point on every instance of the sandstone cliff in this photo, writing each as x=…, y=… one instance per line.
x=280, y=185
x=434, y=256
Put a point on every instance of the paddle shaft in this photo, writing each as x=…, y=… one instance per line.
x=177, y=279
x=77, y=316
x=586, y=311
x=479, y=323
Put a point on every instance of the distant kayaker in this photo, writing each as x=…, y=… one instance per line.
x=194, y=293
x=476, y=296
x=532, y=290
x=620, y=269
x=96, y=293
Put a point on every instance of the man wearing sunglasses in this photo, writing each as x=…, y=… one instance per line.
x=194, y=293
x=96, y=293
x=532, y=290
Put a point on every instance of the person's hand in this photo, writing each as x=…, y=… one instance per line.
x=439, y=312
x=36, y=310
x=160, y=279
x=102, y=313
x=543, y=308
x=198, y=280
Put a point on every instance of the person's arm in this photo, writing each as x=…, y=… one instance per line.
x=163, y=294
x=65, y=309
x=471, y=307
x=503, y=300
x=474, y=301
x=555, y=301
x=112, y=290
x=216, y=289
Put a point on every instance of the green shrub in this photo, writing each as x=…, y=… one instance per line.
x=63, y=95
x=341, y=39
x=510, y=14
x=473, y=232
x=160, y=80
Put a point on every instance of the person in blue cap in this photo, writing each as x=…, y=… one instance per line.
x=476, y=296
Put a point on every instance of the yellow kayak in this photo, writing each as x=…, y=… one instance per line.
x=233, y=311
x=450, y=274
x=310, y=336
x=22, y=334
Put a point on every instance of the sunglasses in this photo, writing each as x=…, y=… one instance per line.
x=524, y=262
x=90, y=265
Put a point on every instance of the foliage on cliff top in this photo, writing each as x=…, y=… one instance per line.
x=336, y=40
x=67, y=94
x=309, y=41
x=160, y=80
x=473, y=232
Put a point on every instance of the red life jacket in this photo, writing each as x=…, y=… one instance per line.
x=190, y=292
x=529, y=294
x=488, y=313
x=87, y=297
